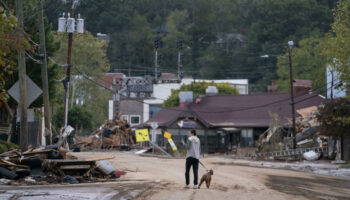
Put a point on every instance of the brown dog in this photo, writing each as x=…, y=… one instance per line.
x=207, y=178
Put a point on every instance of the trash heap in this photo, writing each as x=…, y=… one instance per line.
x=52, y=164
x=112, y=134
x=272, y=138
x=278, y=138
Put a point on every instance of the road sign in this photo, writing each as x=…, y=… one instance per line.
x=142, y=135
x=33, y=91
x=154, y=135
x=172, y=144
x=154, y=125
x=167, y=135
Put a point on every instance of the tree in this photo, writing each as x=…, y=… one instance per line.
x=308, y=64
x=334, y=118
x=29, y=40
x=337, y=45
x=231, y=34
x=79, y=117
x=95, y=99
x=88, y=57
x=275, y=23
x=10, y=42
x=88, y=53
x=198, y=89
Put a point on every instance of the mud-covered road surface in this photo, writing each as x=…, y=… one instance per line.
x=159, y=178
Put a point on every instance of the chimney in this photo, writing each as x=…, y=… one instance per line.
x=272, y=89
x=211, y=91
x=301, y=86
x=186, y=98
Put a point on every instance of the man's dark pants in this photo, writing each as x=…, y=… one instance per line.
x=190, y=161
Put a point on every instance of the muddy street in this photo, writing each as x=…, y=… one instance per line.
x=229, y=181
x=161, y=178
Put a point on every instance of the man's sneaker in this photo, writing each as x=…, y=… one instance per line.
x=187, y=187
x=195, y=187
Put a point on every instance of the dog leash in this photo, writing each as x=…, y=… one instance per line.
x=203, y=165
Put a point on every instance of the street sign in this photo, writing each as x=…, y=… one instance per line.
x=172, y=144
x=167, y=135
x=154, y=125
x=33, y=91
x=187, y=124
x=142, y=135
x=154, y=135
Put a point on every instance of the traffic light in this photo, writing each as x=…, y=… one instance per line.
x=159, y=59
x=179, y=45
x=156, y=43
x=159, y=73
x=182, y=57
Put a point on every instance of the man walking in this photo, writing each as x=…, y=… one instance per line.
x=192, y=145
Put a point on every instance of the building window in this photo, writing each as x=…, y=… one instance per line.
x=125, y=118
x=135, y=119
x=247, y=139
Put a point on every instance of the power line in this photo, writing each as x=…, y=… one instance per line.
x=222, y=111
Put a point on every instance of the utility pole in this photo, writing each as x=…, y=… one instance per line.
x=290, y=45
x=48, y=135
x=156, y=45
x=179, y=59
x=22, y=82
x=67, y=80
x=332, y=83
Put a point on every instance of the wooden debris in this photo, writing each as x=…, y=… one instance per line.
x=110, y=135
x=101, y=158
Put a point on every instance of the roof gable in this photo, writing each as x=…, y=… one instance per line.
x=241, y=110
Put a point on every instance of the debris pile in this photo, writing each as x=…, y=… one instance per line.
x=272, y=138
x=278, y=138
x=112, y=134
x=51, y=164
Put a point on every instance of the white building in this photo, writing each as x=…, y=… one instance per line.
x=162, y=91
x=131, y=108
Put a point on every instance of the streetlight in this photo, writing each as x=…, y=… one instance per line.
x=290, y=45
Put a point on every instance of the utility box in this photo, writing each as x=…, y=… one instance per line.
x=70, y=25
x=80, y=25
x=62, y=24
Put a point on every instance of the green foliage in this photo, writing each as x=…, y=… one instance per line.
x=20, y=40
x=337, y=47
x=6, y=146
x=198, y=89
x=78, y=116
x=95, y=99
x=11, y=41
x=245, y=29
x=334, y=118
x=88, y=53
x=277, y=22
x=308, y=64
